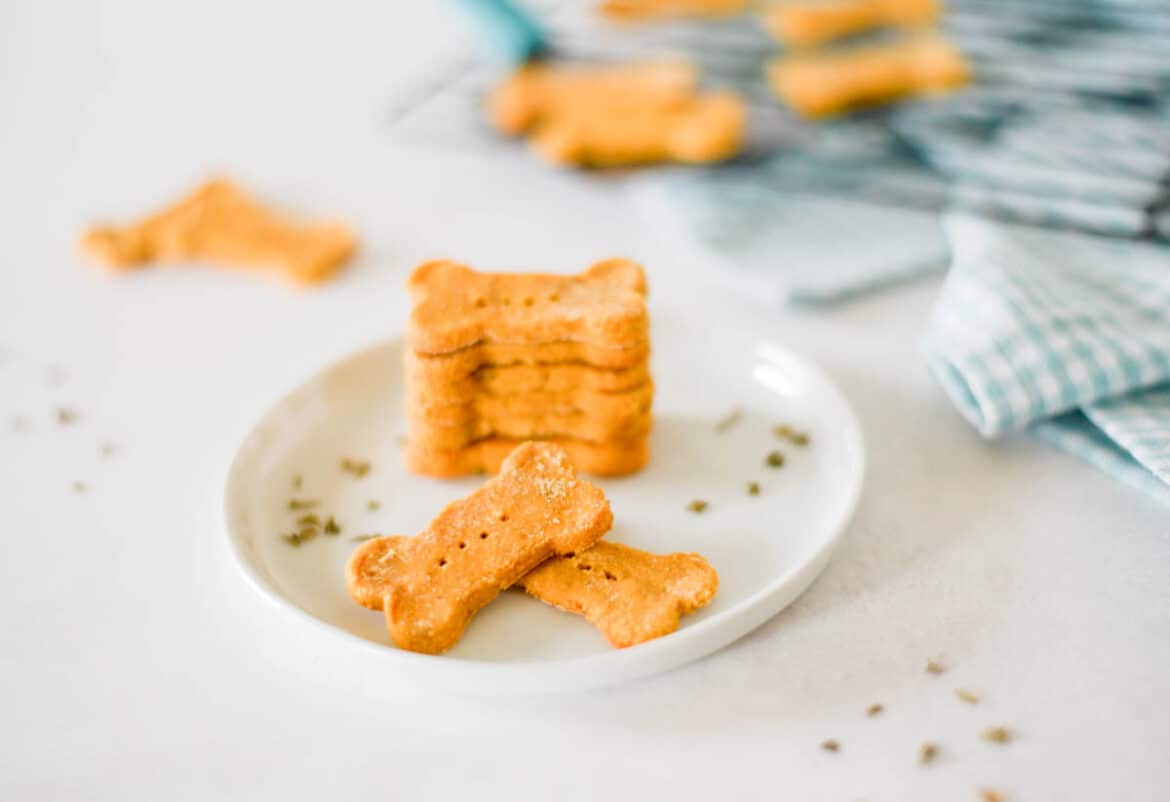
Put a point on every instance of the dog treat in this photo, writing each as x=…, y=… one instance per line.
x=433, y=374
x=484, y=543
x=632, y=596
x=467, y=361
x=819, y=85
x=219, y=222
x=577, y=425
x=657, y=9
x=801, y=23
x=613, y=458
x=432, y=406
x=705, y=128
x=456, y=307
x=537, y=93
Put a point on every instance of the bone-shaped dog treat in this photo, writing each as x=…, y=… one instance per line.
x=705, y=128
x=477, y=546
x=456, y=307
x=432, y=405
x=658, y=9
x=632, y=596
x=818, y=85
x=613, y=458
x=575, y=423
x=220, y=223
x=429, y=376
x=540, y=92
x=466, y=361
x=805, y=24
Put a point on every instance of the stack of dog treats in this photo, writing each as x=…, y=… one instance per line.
x=494, y=359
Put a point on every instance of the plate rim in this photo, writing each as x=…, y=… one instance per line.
x=694, y=641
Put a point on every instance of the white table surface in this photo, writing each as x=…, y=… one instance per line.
x=136, y=662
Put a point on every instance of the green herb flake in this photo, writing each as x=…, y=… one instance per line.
x=309, y=520
x=967, y=696
x=332, y=527
x=66, y=416
x=785, y=432
x=774, y=459
x=296, y=504
x=727, y=421
x=997, y=735
x=355, y=467
x=373, y=505
x=934, y=667
x=362, y=538
x=874, y=710
x=927, y=753
x=831, y=745
x=298, y=481
x=79, y=487
x=107, y=450
x=753, y=488
x=697, y=505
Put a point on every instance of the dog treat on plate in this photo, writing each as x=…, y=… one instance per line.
x=432, y=407
x=511, y=380
x=535, y=508
x=219, y=222
x=537, y=93
x=612, y=458
x=632, y=596
x=801, y=23
x=554, y=345
x=822, y=84
x=657, y=9
x=456, y=307
x=705, y=128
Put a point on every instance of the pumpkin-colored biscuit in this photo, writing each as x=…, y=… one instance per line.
x=482, y=544
x=801, y=23
x=435, y=378
x=435, y=407
x=575, y=424
x=219, y=222
x=456, y=308
x=467, y=361
x=705, y=128
x=657, y=9
x=823, y=84
x=632, y=596
x=537, y=93
x=613, y=458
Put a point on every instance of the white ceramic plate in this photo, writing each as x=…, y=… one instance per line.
x=766, y=548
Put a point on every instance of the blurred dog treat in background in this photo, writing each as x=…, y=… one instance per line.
x=613, y=115
x=658, y=9
x=824, y=83
x=805, y=23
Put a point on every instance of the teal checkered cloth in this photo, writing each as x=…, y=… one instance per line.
x=1066, y=333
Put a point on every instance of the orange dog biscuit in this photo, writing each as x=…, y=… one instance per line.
x=806, y=24
x=539, y=92
x=457, y=308
x=220, y=223
x=576, y=424
x=615, y=458
x=422, y=368
x=819, y=85
x=482, y=544
x=436, y=407
x=516, y=379
x=632, y=596
x=701, y=129
x=656, y=9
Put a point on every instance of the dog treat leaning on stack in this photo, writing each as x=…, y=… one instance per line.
x=496, y=359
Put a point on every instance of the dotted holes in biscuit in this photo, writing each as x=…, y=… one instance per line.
x=610, y=577
x=462, y=544
x=480, y=303
x=584, y=567
x=503, y=516
x=483, y=535
x=442, y=562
